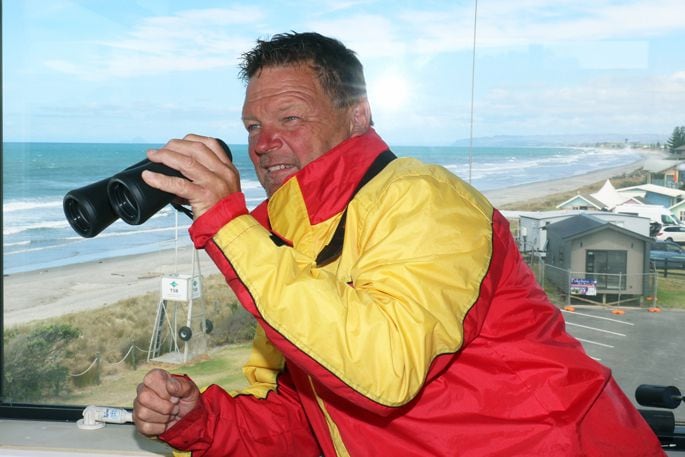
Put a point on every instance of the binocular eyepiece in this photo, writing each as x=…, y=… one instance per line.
x=92, y=208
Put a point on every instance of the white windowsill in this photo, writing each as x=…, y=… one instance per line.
x=24, y=438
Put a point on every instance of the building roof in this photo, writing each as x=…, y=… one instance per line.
x=591, y=201
x=583, y=224
x=609, y=196
x=655, y=189
x=680, y=204
x=540, y=215
x=659, y=165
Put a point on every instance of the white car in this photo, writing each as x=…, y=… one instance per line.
x=675, y=233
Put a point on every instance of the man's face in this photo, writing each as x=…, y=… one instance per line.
x=290, y=122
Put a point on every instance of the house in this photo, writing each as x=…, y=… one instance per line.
x=665, y=172
x=532, y=236
x=595, y=257
x=605, y=199
x=653, y=194
x=582, y=202
x=678, y=211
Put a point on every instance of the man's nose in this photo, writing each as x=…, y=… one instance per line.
x=267, y=141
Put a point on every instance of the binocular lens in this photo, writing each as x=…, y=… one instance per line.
x=76, y=217
x=88, y=209
x=123, y=202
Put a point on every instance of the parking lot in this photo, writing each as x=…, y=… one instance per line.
x=640, y=347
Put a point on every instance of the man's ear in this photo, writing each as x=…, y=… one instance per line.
x=360, y=120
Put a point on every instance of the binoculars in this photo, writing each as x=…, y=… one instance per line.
x=91, y=209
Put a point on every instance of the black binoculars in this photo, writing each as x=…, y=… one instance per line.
x=91, y=209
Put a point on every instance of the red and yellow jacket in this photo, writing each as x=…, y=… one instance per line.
x=428, y=336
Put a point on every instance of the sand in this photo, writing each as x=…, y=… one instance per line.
x=57, y=291
x=53, y=292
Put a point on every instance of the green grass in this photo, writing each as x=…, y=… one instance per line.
x=224, y=367
x=109, y=333
x=670, y=291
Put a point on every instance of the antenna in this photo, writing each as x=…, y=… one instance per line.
x=473, y=84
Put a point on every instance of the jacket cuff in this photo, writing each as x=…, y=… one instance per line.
x=188, y=430
x=206, y=226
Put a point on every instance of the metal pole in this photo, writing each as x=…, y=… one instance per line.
x=473, y=84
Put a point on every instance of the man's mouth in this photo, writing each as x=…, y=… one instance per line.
x=276, y=168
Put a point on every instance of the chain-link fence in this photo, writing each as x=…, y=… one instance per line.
x=567, y=287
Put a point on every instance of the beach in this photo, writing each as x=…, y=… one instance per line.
x=81, y=287
x=68, y=289
x=525, y=192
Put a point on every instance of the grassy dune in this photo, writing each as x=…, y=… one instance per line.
x=109, y=356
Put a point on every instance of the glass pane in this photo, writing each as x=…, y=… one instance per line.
x=89, y=87
x=85, y=96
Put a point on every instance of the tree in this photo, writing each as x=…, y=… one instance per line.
x=34, y=363
x=677, y=139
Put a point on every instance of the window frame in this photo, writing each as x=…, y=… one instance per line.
x=22, y=410
x=604, y=276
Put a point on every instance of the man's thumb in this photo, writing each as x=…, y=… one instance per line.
x=177, y=386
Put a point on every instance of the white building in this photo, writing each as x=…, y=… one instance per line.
x=532, y=236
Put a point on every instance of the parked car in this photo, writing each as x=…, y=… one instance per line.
x=675, y=233
x=667, y=250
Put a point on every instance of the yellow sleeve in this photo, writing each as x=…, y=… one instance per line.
x=417, y=246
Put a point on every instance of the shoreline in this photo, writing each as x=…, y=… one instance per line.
x=52, y=292
x=524, y=192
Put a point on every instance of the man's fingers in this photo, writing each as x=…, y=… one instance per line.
x=216, y=145
x=192, y=154
x=180, y=387
x=210, y=175
x=178, y=186
x=156, y=406
x=197, y=163
x=150, y=423
x=155, y=381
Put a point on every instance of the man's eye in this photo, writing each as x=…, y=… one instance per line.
x=291, y=118
x=251, y=127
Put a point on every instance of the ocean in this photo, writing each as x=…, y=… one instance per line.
x=36, y=176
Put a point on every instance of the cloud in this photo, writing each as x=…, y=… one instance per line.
x=606, y=104
x=541, y=21
x=215, y=37
x=186, y=41
x=612, y=43
x=448, y=28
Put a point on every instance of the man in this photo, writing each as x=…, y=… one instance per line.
x=426, y=336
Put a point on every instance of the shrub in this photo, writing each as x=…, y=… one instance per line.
x=34, y=362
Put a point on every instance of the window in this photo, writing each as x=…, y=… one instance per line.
x=89, y=86
x=609, y=268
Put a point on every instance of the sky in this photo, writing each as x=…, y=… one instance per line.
x=150, y=70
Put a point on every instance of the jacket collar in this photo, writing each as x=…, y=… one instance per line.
x=326, y=184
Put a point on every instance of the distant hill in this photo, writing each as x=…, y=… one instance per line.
x=563, y=140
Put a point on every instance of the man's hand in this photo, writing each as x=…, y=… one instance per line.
x=162, y=400
x=211, y=175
